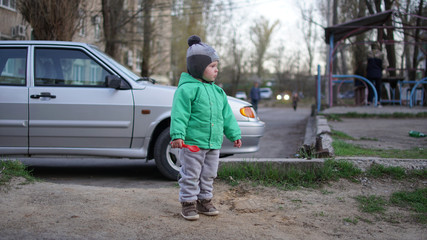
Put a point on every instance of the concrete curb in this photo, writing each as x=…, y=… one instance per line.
x=365, y=162
x=281, y=164
x=324, y=132
x=284, y=164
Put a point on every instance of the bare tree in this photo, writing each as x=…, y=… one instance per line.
x=187, y=20
x=112, y=12
x=375, y=6
x=146, y=53
x=237, y=63
x=51, y=19
x=261, y=35
x=415, y=60
x=310, y=34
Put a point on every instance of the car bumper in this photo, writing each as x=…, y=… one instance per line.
x=251, y=135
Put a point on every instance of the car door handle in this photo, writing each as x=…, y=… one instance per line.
x=43, y=95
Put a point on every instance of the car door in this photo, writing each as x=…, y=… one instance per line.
x=71, y=109
x=13, y=101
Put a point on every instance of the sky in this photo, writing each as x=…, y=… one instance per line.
x=288, y=13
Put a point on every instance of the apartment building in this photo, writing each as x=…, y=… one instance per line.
x=90, y=30
x=14, y=26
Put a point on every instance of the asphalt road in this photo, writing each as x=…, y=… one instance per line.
x=284, y=133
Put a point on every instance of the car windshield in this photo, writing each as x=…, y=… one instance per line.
x=125, y=70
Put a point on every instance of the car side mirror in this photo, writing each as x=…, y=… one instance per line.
x=116, y=82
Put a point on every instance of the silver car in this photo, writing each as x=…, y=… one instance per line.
x=70, y=99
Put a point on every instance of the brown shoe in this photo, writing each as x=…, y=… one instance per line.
x=189, y=211
x=206, y=207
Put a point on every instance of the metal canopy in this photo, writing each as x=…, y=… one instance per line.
x=356, y=26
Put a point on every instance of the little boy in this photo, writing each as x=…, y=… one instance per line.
x=201, y=116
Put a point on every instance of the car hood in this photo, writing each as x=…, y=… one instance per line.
x=163, y=95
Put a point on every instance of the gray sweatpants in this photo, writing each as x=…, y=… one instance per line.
x=198, y=171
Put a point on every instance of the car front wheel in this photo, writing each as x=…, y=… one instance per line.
x=166, y=158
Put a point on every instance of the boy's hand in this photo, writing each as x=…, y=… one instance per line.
x=238, y=143
x=177, y=143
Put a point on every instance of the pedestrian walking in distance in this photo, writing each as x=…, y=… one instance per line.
x=295, y=99
x=255, y=95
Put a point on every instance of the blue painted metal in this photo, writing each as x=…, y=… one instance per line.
x=422, y=81
x=319, y=97
x=331, y=53
x=342, y=81
x=363, y=79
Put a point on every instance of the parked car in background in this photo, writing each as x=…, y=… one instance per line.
x=241, y=95
x=266, y=93
x=68, y=99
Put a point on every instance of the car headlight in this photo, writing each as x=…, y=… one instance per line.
x=247, y=112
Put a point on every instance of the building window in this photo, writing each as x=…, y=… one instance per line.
x=96, y=21
x=82, y=23
x=82, y=31
x=138, y=59
x=11, y=4
x=130, y=59
x=97, y=32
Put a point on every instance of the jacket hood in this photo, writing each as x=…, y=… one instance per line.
x=187, y=78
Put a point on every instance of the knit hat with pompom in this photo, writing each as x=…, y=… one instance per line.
x=199, y=56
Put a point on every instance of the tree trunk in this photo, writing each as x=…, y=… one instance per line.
x=112, y=13
x=391, y=51
x=413, y=74
x=146, y=53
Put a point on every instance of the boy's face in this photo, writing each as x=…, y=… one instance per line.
x=211, y=72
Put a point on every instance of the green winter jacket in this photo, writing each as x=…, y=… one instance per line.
x=201, y=114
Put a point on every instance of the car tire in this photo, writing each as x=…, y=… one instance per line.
x=166, y=158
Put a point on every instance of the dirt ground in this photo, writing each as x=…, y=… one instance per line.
x=46, y=210
x=382, y=133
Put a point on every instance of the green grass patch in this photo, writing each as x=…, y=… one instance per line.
x=269, y=174
x=415, y=200
x=341, y=135
x=380, y=171
x=369, y=139
x=333, y=170
x=418, y=173
x=11, y=168
x=371, y=204
x=333, y=117
x=343, y=148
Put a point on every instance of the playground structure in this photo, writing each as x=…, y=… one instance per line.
x=336, y=35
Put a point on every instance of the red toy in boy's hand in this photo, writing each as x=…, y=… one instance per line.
x=192, y=148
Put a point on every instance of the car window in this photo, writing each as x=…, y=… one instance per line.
x=13, y=66
x=67, y=67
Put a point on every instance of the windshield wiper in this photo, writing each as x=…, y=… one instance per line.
x=148, y=79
